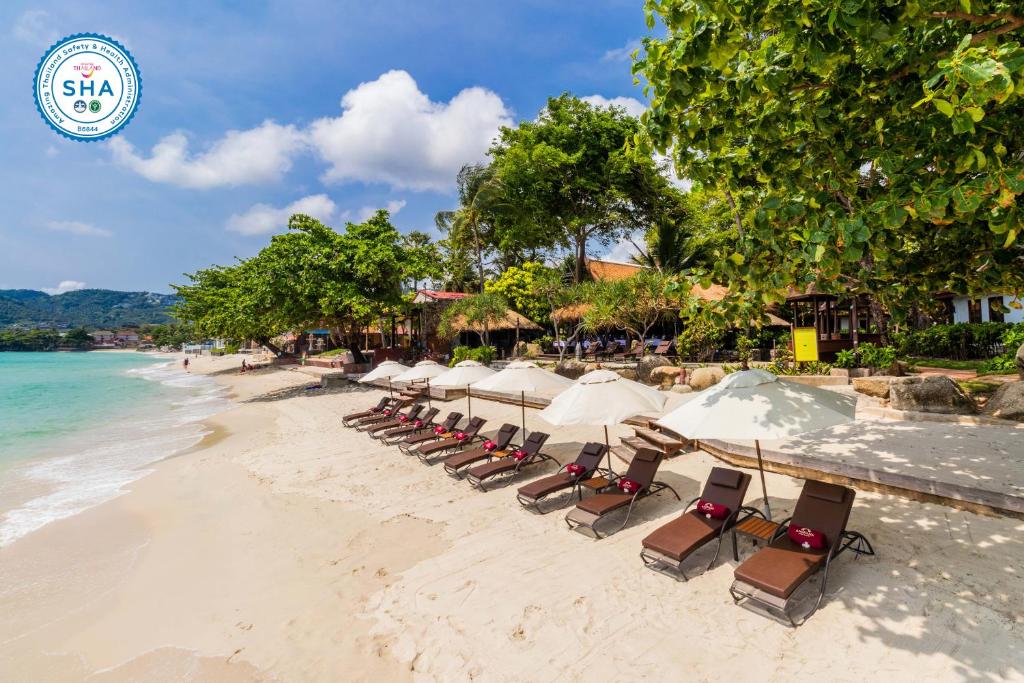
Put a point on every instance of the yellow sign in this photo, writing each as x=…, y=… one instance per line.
x=805, y=344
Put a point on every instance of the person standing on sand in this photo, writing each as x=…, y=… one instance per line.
x=184, y=364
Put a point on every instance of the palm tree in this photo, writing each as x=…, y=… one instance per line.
x=480, y=197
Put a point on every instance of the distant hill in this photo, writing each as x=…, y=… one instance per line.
x=93, y=308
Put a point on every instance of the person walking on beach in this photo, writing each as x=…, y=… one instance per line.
x=184, y=364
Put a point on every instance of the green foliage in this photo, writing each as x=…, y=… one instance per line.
x=744, y=346
x=869, y=146
x=170, y=334
x=959, y=341
x=332, y=353
x=634, y=304
x=470, y=229
x=871, y=356
x=521, y=287
x=846, y=359
x=93, y=308
x=422, y=258
x=692, y=231
x=481, y=354
x=476, y=313
x=29, y=340
x=700, y=337
x=1012, y=339
x=77, y=338
x=569, y=180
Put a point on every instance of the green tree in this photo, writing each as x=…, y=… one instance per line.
x=519, y=286
x=692, y=231
x=477, y=313
x=571, y=180
x=634, y=304
x=471, y=226
x=422, y=258
x=868, y=146
x=77, y=338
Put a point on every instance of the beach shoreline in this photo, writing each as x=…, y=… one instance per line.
x=285, y=547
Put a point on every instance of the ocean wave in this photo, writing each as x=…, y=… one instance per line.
x=95, y=465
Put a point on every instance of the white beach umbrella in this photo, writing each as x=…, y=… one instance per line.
x=602, y=397
x=424, y=370
x=386, y=370
x=523, y=376
x=755, y=405
x=462, y=376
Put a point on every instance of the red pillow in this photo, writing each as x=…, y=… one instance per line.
x=575, y=469
x=417, y=423
x=387, y=411
x=403, y=418
x=461, y=436
x=439, y=429
x=628, y=485
x=489, y=445
x=807, y=538
x=519, y=454
x=712, y=510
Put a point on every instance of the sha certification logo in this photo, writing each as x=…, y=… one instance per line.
x=87, y=87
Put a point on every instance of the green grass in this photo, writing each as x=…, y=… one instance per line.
x=332, y=353
x=976, y=387
x=945, y=363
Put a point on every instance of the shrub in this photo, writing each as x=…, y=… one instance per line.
x=332, y=353
x=846, y=359
x=230, y=348
x=481, y=354
x=699, y=339
x=1006, y=363
x=959, y=341
x=872, y=356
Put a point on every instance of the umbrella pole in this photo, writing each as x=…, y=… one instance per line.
x=764, y=489
x=469, y=402
x=428, y=394
x=606, y=443
x=522, y=401
x=390, y=393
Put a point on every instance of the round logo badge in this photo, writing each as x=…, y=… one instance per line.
x=87, y=87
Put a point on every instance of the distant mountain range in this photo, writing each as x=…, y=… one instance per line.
x=93, y=308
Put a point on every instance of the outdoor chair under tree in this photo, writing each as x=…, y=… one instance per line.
x=489, y=449
x=715, y=512
x=663, y=349
x=623, y=492
x=460, y=438
x=350, y=419
x=441, y=431
x=418, y=424
x=395, y=421
x=512, y=463
x=802, y=545
x=386, y=414
x=569, y=478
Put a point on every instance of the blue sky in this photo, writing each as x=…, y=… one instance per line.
x=252, y=109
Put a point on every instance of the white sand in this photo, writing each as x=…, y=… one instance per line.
x=289, y=548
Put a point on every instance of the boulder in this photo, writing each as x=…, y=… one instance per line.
x=930, y=394
x=626, y=373
x=1007, y=402
x=665, y=375
x=1020, y=361
x=877, y=386
x=571, y=368
x=702, y=378
x=590, y=367
x=682, y=388
x=648, y=363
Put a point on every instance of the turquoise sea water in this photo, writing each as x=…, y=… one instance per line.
x=76, y=427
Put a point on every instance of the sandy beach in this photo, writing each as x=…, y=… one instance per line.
x=288, y=548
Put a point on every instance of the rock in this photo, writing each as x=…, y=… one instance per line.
x=702, y=378
x=648, y=363
x=626, y=373
x=930, y=394
x=877, y=386
x=1007, y=402
x=682, y=388
x=899, y=368
x=590, y=367
x=519, y=351
x=571, y=368
x=665, y=375
x=1020, y=361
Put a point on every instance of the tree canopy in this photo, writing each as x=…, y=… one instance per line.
x=868, y=146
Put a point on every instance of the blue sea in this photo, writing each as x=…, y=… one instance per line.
x=75, y=428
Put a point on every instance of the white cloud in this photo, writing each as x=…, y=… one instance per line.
x=78, y=228
x=33, y=26
x=261, y=219
x=390, y=132
x=364, y=212
x=51, y=151
x=622, y=251
x=621, y=54
x=65, y=286
x=258, y=155
x=633, y=106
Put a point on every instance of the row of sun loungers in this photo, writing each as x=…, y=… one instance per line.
x=801, y=545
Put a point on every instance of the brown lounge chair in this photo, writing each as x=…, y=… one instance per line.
x=414, y=440
x=668, y=546
x=388, y=413
x=350, y=419
x=395, y=421
x=589, y=459
x=469, y=434
x=418, y=424
x=453, y=463
x=512, y=463
x=589, y=511
x=771, y=575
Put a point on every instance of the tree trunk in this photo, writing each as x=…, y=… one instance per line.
x=265, y=341
x=878, y=317
x=581, y=256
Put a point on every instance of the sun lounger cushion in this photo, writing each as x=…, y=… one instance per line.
x=712, y=510
x=721, y=476
x=781, y=567
x=822, y=491
x=805, y=537
x=547, y=485
x=603, y=503
x=679, y=537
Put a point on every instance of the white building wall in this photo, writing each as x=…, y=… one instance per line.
x=960, y=313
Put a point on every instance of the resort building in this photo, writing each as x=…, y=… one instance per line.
x=988, y=308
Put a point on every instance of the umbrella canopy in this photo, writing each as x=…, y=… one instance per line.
x=462, y=376
x=523, y=376
x=602, y=397
x=425, y=369
x=386, y=370
x=754, y=405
